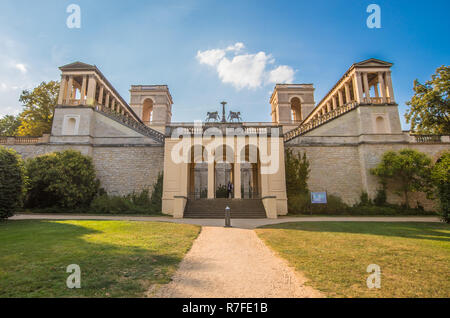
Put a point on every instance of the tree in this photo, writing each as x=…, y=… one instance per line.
x=429, y=110
x=441, y=180
x=409, y=170
x=61, y=179
x=297, y=173
x=12, y=182
x=39, y=107
x=9, y=125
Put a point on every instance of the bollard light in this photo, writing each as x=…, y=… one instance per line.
x=227, y=217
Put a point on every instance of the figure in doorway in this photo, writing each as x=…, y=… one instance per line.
x=230, y=189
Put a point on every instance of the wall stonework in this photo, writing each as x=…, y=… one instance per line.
x=126, y=169
x=121, y=170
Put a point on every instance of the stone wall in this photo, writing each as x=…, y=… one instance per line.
x=121, y=170
x=344, y=170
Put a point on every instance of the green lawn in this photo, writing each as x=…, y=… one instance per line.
x=414, y=257
x=117, y=259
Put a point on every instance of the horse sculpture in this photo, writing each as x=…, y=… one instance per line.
x=212, y=116
x=234, y=116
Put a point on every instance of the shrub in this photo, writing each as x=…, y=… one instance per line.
x=409, y=170
x=12, y=182
x=365, y=200
x=441, y=181
x=381, y=197
x=139, y=203
x=61, y=179
x=297, y=173
x=301, y=204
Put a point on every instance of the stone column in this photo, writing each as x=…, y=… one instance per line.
x=382, y=87
x=62, y=90
x=92, y=87
x=237, y=180
x=107, y=100
x=357, y=87
x=329, y=107
x=341, y=98
x=333, y=99
x=100, y=97
x=366, y=87
x=113, y=104
x=390, y=88
x=375, y=87
x=83, y=91
x=347, y=93
x=69, y=90
x=211, y=180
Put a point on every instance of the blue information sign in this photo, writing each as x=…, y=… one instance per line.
x=318, y=197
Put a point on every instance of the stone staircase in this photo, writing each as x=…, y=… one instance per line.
x=215, y=209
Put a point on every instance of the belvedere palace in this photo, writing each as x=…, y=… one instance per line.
x=343, y=136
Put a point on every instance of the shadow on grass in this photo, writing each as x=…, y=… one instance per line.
x=34, y=256
x=423, y=231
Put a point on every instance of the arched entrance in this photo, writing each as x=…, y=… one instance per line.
x=250, y=172
x=198, y=173
x=224, y=160
x=147, y=111
x=296, y=110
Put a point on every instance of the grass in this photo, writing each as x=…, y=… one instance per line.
x=117, y=259
x=414, y=257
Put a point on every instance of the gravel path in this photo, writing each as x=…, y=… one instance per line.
x=234, y=263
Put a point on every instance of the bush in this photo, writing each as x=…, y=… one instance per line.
x=130, y=204
x=301, y=204
x=12, y=182
x=381, y=197
x=134, y=203
x=61, y=179
x=441, y=181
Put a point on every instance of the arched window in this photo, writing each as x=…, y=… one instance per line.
x=380, y=125
x=147, y=111
x=296, y=110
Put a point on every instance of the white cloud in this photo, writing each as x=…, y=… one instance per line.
x=236, y=47
x=245, y=70
x=210, y=57
x=282, y=74
x=21, y=67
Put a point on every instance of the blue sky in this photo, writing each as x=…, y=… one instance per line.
x=158, y=42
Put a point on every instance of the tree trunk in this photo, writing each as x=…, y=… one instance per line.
x=406, y=199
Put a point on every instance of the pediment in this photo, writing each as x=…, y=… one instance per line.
x=77, y=66
x=373, y=63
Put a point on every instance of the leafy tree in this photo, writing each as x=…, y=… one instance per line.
x=9, y=125
x=430, y=106
x=39, y=107
x=441, y=180
x=61, y=179
x=409, y=170
x=12, y=182
x=297, y=173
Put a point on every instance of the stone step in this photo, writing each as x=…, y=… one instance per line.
x=215, y=208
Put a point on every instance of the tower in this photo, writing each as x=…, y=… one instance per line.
x=153, y=104
x=291, y=104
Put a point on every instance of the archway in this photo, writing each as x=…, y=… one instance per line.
x=198, y=173
x=224, y=172
x=380, y=125
x=147, y=111
x=296, y=110
x=250, y=172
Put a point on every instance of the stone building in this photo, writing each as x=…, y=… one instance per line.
x=343, y=136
